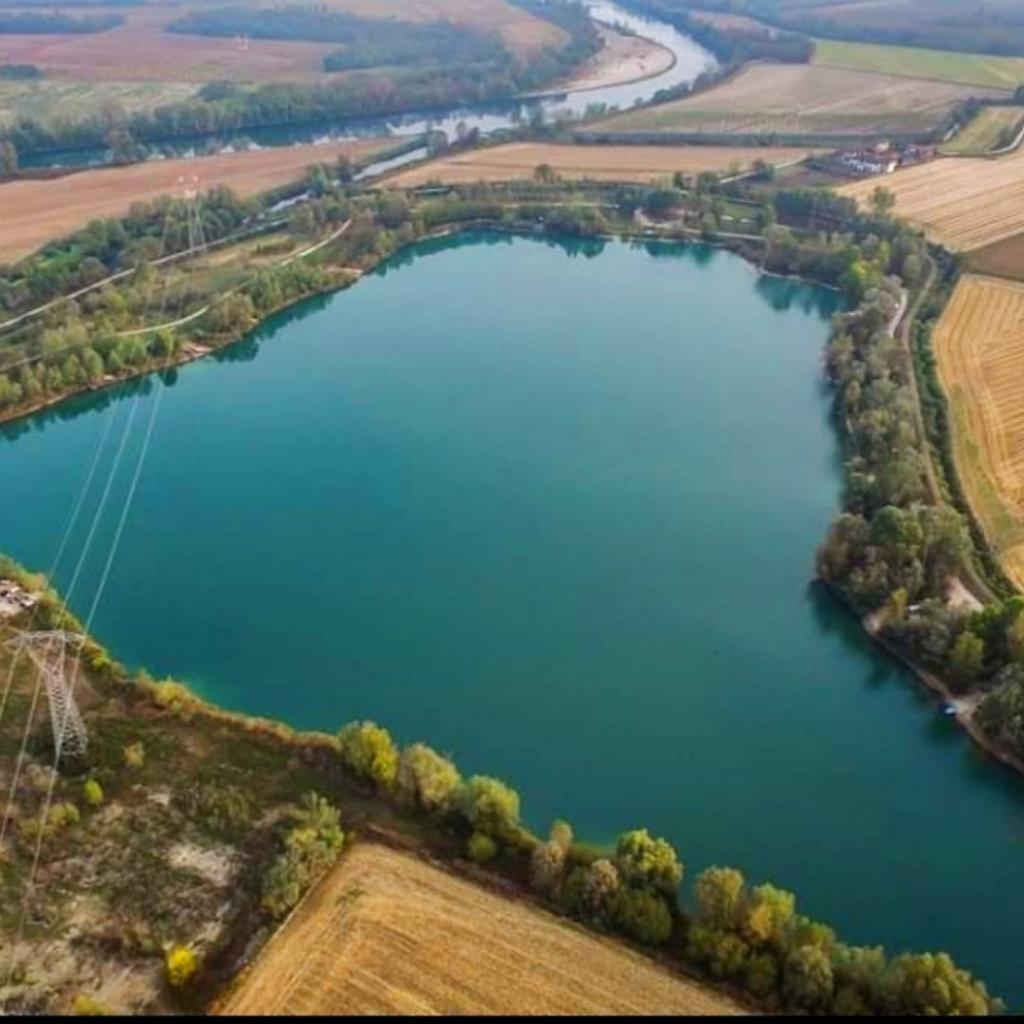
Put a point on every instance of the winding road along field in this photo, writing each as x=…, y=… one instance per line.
x=979, y=345
x=34, y=212
x=387, y=933
x=962, y=202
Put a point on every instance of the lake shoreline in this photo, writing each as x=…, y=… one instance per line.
x=195, y=351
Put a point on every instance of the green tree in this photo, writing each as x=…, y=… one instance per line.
x=720, y=893
x=369, y=753
x=600, y=884
x=967, y=659
x=769, y=916
x=720, y=951
x=882, y=200
x=425, y=779
x=807, y=981
x=547, y=867
x=642, y=915
x=489, y=806
x=931, y=985
x=643, y=860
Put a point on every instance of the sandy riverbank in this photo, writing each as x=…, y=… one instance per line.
x=623, y=59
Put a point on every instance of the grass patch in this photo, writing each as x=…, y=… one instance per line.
x=938, y=65
x=993, y=128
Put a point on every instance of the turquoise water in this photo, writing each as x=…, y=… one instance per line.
x=554, y=510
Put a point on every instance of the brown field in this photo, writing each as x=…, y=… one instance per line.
x=139, y=50
x=802, y=99
x=962, y=202
x=979, y=345
x=518, y=160
x=387, y=933
x=36, y=212
x=1002, y=259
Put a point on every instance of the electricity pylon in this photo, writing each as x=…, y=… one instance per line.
x=55, y=653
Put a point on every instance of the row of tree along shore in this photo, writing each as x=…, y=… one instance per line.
x=750, y=940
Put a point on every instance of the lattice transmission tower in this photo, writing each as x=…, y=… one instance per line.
x=56, y=655
x=193, y=214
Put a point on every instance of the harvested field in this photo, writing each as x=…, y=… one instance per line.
x=964, y=203
x=988, y=131
x=36, y=212
x=1003, y=259
x=519, y=160
x=936, y=65
x=979, y=345
x=801, y=99
x=140, y=50
x=387, y=933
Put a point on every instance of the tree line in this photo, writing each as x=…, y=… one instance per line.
x=225, y=110
x=751, y=938
x=55, y=23
x=368, y=42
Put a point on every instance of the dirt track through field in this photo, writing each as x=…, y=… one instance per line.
x=962, y=202
x=36, y=212
x=979, y=345
x=519, y=160
x=387, y=933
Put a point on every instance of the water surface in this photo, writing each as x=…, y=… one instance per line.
x=554, y=510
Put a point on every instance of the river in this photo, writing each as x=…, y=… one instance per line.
x=691, y=60
x=552, y=509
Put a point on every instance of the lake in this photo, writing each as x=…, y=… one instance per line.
x=552, y=508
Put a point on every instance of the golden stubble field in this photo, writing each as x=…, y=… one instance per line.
x=962, y=202
x=979, y=345
x=34, y=212
x=519, y=160
x=385, y=932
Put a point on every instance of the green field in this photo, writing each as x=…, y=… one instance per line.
x=62, y=100
x=939, y=65
x=988, y=131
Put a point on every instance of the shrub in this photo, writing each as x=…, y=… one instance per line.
x=180, y=964
x=481, y=848
x=86, y=1006
x=134, y=755
x=311, y=847
x=92, y=793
